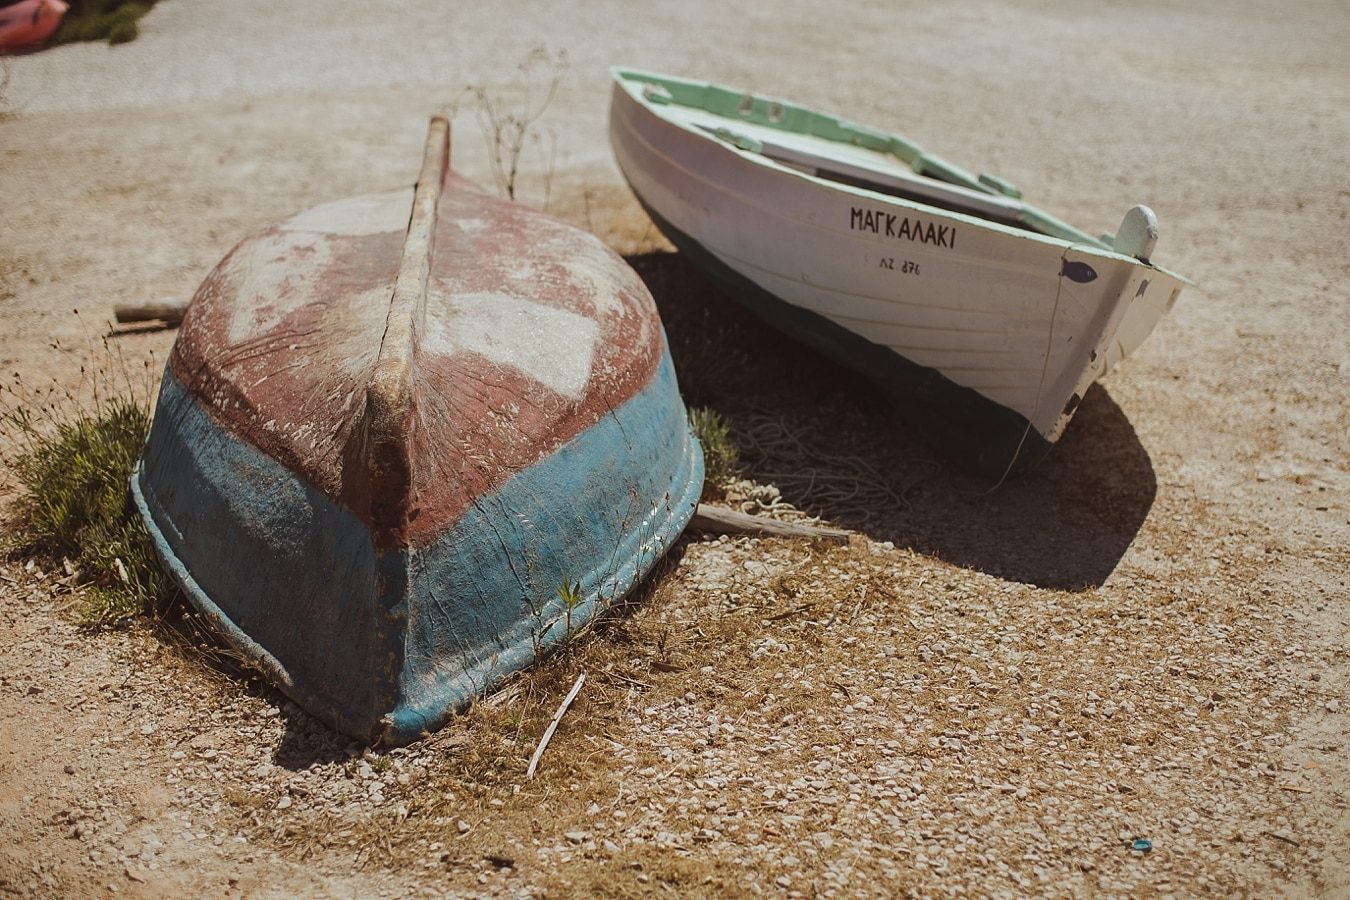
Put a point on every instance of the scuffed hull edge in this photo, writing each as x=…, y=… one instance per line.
x=386, y=646
x=981, y=435
x=620, y=539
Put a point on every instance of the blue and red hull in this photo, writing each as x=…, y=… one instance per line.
x=386, y=644
x=397, y=456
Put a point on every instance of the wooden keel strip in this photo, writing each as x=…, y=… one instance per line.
x=408, y=305
x=389, y=396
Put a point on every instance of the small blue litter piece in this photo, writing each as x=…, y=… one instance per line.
x=1142, y=845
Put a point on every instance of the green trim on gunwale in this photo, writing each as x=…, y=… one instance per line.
x=782, y=115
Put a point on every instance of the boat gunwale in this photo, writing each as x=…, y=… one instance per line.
x=626, y=79
x=633, y=559
x=1008, y=265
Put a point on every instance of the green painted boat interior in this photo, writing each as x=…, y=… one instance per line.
x=751, y=120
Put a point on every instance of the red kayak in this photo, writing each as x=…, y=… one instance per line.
x=29, y=23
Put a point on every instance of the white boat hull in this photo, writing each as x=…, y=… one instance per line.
x=1003, y=328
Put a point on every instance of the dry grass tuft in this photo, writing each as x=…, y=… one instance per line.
x=721, y=458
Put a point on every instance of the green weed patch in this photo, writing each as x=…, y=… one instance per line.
x=73, y=467
x=98, y=20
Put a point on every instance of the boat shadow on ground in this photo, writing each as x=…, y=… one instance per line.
x=836, y=448
x=305, y=740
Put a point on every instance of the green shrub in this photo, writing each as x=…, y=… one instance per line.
x=97, y=20
x=73, y=471
x=721, y=460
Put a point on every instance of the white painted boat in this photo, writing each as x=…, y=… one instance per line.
x=985, y=316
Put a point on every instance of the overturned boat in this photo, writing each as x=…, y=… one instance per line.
x=407, y=442
x=986, y=317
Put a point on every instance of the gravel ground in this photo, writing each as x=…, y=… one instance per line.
x=988, y=694
x=776, y=717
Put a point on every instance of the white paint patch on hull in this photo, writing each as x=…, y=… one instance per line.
x=357, y=216
x=268, y=291
x=551, y=346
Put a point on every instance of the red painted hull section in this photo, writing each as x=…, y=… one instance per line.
x=533, y=331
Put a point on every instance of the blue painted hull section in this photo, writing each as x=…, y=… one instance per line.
x=387, y=644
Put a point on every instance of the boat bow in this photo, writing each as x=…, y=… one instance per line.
x=386, y=438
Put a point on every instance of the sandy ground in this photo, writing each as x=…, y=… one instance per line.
x=1181, y=559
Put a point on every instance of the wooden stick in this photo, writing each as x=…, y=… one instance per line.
x=786, y=614
x=166, y=309
x=608, y=673
x=716, y=520
x=553, y=725
x=1282, y=837
x=504, y=696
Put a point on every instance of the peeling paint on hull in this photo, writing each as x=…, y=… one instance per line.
x=385, y=555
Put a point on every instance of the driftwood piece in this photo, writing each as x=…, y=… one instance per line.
x=166, y=309
x=716, y=520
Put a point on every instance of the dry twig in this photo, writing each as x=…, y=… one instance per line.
x=553, y=725
x=716, y=520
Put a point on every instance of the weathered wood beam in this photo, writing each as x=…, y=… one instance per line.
x=168, y=310
x=717, y=520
